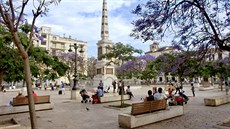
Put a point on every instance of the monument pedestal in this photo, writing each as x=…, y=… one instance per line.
x=106, y=79
x=75, y=95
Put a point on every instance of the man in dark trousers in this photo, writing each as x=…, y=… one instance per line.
x=193, y=89
x=114, y=86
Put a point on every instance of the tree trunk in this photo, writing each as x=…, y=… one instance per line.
x=122, y=93
x=33, y=119
x=180, y=81
x=42, y=86
x=1, y=77
x=70, y=82
x=25, y=58
x=221, y=83
x=122, y=96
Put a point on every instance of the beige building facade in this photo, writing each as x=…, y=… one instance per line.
x=56, y=44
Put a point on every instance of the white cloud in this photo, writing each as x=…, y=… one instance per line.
x=82, y=20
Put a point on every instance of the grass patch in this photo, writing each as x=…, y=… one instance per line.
x=120, y=106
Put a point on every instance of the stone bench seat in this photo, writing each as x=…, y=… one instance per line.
x=20, y=105
x=126, y=120
x=13, y=90
x=6, y=110
x=113, y=98
x=217, y=100
x=19, y=101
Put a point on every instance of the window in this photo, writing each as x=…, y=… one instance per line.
x=98, y=71
x=220, y=56
x=43, y=43
x=109, y=70
x=53, y=52
x=99, y=53
x=63, y=46
x=44, y=35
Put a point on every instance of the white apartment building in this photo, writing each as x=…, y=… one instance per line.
x=56, y=44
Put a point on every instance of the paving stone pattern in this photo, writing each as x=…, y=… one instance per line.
x=72, y=114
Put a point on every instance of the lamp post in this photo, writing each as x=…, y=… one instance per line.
x=75, y=46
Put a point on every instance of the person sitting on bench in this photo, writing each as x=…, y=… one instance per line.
x=159, y=95
x=34, y=94
x=150, y=96
x=129, y=92
x=20, y=95
x=97, y=96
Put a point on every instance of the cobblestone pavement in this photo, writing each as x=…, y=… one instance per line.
x=72, y=114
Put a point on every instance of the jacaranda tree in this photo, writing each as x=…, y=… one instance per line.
x=137, y=67
x=69, y=59
x=118, y=54
x=194, y=24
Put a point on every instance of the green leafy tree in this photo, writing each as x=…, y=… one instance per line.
x=181, y=65
x=219, y=68
x=12, y=13
x=118, y=54
x=43, y=65
x=69, y=59
x=47, y=67
x=5, y=53
x=91, y=62
x=148, y=73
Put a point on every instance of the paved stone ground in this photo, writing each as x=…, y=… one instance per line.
x=72, y=114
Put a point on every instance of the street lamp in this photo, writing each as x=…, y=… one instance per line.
x=75, y=46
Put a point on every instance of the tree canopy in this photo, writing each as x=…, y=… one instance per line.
x=193, y=24
x=12, y=16
x=120, y=52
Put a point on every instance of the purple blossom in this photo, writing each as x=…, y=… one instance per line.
x=39, y=37
x=36, y=30
x=146, y=57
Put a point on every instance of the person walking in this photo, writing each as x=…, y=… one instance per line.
x=170, y=89
x=226, y=87
x=101, y=85
x=62, y=88
x=193, y=89
x=114, y=86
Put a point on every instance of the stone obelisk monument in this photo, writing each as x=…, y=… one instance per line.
x=104, y=72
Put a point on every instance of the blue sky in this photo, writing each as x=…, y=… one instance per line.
x=81, y=19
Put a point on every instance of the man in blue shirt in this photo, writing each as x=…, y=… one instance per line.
x=63, y=87
x=99, y=92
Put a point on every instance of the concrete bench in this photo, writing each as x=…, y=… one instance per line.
x=20, y=105
x=6, y=110
x=206, y=88
x=19, y=101
x=113, y=98
x=217, y=100
x=148, y=106
x=13, y=90
x=126, y=120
